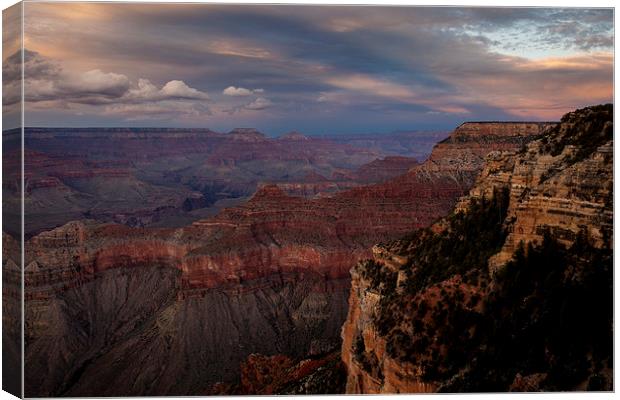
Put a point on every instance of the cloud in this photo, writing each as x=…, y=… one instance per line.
x=544, y=88
x=234, y=91
x=11, y=31
x=90, y=83
x=48, y=85
x=35, y=66
x=357, y=64
x=145, y=91
x=179, y=90
x=260, y=103
x=237, y=48
x=38, y=72
x=158, y=111
x=240, y=92
x=383, y=88
x=371, y=85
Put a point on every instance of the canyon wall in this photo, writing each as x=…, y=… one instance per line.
x=114, y=310
x=484, y=298
x=105, y=302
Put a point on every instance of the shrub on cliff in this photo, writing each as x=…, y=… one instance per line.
x=552, y=314
x=548, y=313
x=463, y=249
x=586, y=128
x=544, y=321
x=460, y=250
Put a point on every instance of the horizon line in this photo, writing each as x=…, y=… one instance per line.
x=204, y=129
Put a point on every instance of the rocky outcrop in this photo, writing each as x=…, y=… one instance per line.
x=470, y=143
x=247, y=135
x=370, y=370
x=482, y=300
x=560, y=184
x=278, y=374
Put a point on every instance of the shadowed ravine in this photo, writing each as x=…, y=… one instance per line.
x=127, y=332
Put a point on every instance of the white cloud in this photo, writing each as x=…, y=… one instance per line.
x=239, y=91
x=178, y=90
x=258, y=104
x=234, y=91
x=48, y=85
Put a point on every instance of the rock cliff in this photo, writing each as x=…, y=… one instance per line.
x=511, y=291
x=105, y=301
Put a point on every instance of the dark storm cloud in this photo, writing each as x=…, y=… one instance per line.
x=413, y=63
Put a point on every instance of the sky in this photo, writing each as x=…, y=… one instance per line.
x=314, y=69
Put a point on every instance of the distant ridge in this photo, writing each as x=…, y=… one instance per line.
x=114, y=129
x=510, y=122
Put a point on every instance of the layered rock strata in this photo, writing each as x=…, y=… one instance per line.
x=429, y=312
x=113, y=310
x=146, y=176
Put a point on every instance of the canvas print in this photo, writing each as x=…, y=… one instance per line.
x=220, y=199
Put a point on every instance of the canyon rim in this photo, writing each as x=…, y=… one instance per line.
x=213, y=199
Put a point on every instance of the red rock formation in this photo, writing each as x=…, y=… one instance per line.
x=278, y=374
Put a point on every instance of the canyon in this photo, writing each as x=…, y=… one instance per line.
x=169, y=177
x=484, y=299
x=113, y=309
